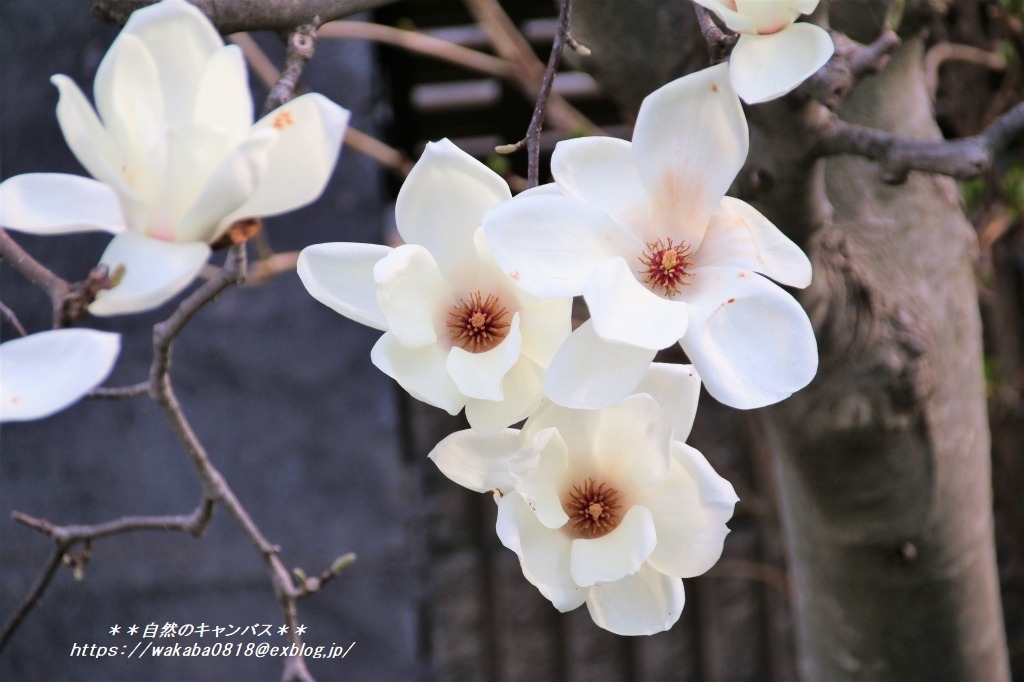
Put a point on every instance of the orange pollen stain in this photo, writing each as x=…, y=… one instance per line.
x=667, y=267
x=478, y=324
x=283, y=120
x=593, y=510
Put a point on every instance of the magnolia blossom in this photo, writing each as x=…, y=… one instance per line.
x=773, y=55
x=608, y=507
x=644, y=233
x=175, y=154
x=44, y=373
x=457, y=332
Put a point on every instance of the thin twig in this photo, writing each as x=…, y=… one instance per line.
x=9, y=315
x=964, y=158
x=301, y=45
x=943, y=52
x=419, y=43
x=537, y=120
x=527, y=69
x=35, y=593
x=66, y=537
x=119, y=392
x=720, y=43
x=55, y=287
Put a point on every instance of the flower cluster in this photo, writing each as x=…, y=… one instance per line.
x=598, y=493
x=177, y=161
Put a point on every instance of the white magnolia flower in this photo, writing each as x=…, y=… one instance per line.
x=175, y=154
x=43, y=373
x=457, y=332
x=643, y=231
x=607, y=507
x=773, y=55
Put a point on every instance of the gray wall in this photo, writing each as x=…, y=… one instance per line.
x=279, y=388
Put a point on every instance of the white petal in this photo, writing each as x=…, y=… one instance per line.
x=55, y=203
x=480, y=375
x=764, y=67
x=625, y=311
x=443, y=201
x=420, y=371
x=523, y=391
x=735, y=21
x=91, y=144
x=644, y=603
x=181, y=40
x=751, y=341
x=740, y=236
x=677, y=390
x=539, y=471
x=549, y=244
x=616, y=555
x=572, y=380
x=546, y=323
x=599, y=171
x=154, y=271
x=229, y=186
x=46, y=372
x=576, y=427
x=309, y=130
x=690, y=509
x=340, y=275
x=689, y=143
x=478, y=462
x=634, y=440
x=223, y=100
x=543, y=553
x=413, y=295
x=769, y=16
x=127, y=81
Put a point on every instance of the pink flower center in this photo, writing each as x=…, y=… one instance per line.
x=477, y=324
x=593, y=510
x=667, y=267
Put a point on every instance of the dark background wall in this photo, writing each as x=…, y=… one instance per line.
x=279, y=389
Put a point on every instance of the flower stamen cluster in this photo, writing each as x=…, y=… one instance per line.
x=668, y=267
x=477, y=324
x=593, y=511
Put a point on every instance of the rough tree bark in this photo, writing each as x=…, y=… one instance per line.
x=884, y=459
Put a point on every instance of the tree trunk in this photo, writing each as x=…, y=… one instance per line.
x=884, y=460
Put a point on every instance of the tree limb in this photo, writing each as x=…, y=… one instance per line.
x=720, y=43
x=232, y=16
x=301, y=45
x=897, y=156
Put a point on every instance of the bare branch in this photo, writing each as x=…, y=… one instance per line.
x=233, y=16
x=301, y=45
x=419, y=43
x=55, y=287
x=9, y=315
x=720, y=43
x=528, y=71
x=35, y=593
x=944, y=52
x=532, y=139
x=852, y=61
x=119, y=392
x=897, y=156
x=67, y=537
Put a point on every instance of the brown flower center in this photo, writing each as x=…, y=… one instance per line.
x=478, y=324
x=593, y=510
x=667, y=266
